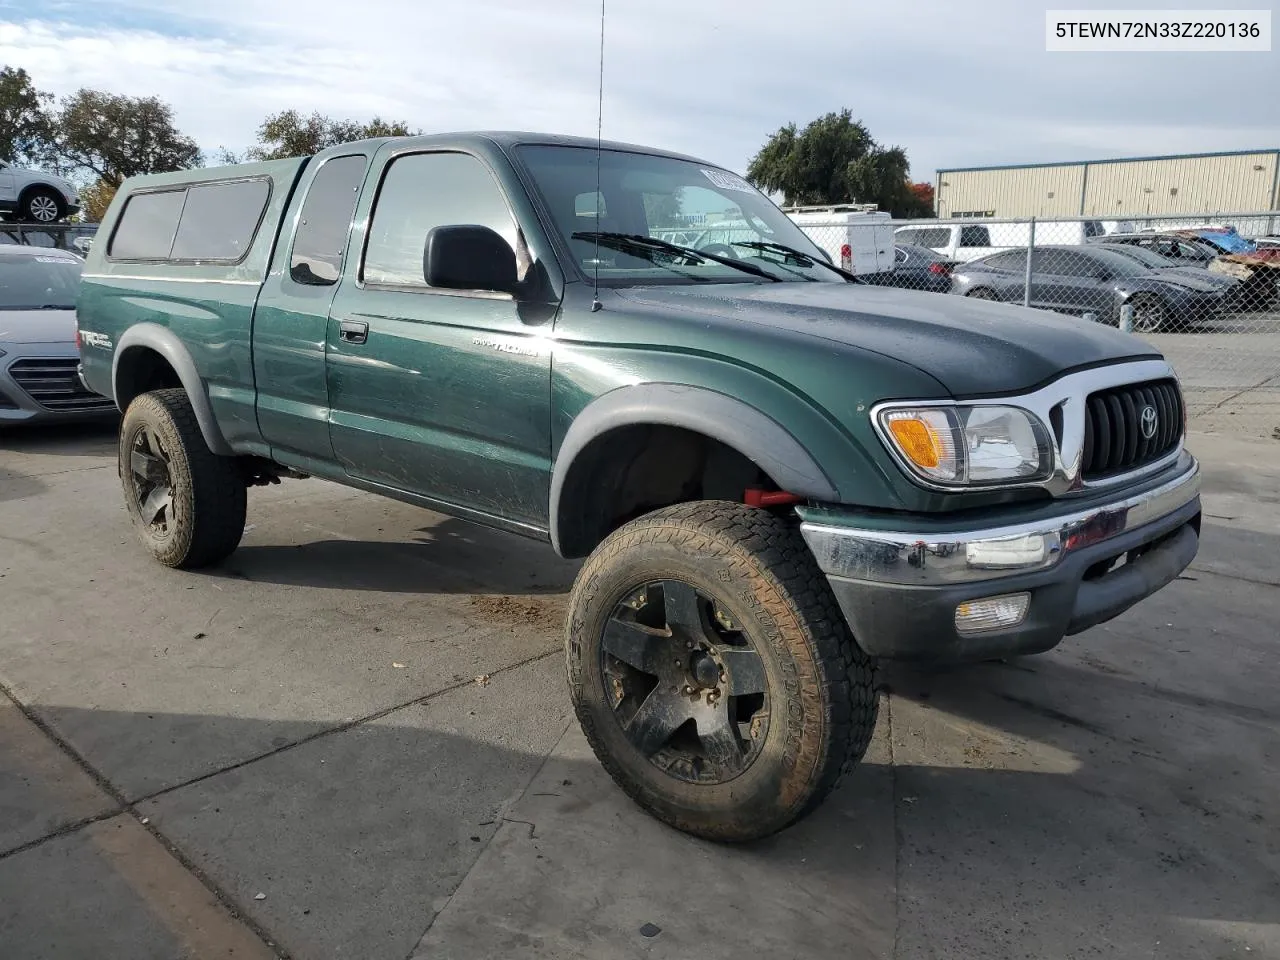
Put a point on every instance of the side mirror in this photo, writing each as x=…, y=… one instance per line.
x=469, y=257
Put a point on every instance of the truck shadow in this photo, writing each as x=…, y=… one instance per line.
x=90, y=438
x=449, y=556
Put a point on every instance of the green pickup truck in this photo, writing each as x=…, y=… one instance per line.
x=777, y=475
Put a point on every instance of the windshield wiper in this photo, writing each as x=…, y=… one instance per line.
x=805, y=259
x=638, y=243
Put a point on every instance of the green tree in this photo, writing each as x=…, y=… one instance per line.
x=290, y=134
x=26, y=125
x=111, y=137
x=833, y=160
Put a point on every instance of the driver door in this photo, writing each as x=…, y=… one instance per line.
x=444, y=394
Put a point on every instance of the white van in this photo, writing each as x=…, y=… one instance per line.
x=857, y=238
x=967, y=241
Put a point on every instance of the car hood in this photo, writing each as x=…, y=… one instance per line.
x=971, y=347
x=1186, y=281
x=37, y=326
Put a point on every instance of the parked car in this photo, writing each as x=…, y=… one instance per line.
x=915, y=268
x=1183, y=249
x=1081, y=280
x=38, y=354
x=1223, y=239
x=35, y=197
x=767, y=464
x=967, y=241
x=1232, y=288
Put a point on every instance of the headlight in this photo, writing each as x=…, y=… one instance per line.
x=959, y=446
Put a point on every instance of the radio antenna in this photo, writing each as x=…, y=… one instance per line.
x=595, y=263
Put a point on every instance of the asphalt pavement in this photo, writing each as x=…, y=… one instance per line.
x=353, y=740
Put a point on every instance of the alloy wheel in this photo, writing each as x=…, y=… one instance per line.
x=685, y=683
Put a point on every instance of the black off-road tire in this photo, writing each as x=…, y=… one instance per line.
x=208, y=492
x=821, y=685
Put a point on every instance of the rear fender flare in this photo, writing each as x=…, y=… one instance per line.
x=166, y=343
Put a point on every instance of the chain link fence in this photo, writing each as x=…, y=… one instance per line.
x=1204, y=289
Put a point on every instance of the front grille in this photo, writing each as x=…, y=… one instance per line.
x=1114, y=441
x=52, y=383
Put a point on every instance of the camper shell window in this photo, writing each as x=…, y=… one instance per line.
x=202, y=223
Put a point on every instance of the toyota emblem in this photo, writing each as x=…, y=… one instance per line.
x=1149, y=422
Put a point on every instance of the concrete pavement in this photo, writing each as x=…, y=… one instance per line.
x=353, y=741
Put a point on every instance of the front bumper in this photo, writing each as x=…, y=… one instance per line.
x=40, y=383
x=899, y=591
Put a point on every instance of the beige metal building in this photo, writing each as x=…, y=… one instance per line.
x=1238, y=182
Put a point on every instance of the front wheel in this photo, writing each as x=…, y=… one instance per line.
x=713, y=673
x=1149, y=315
x=187, y=503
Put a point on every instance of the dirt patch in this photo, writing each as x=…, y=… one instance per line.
x=541, y=613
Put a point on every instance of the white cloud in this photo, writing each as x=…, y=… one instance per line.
x=952, y=86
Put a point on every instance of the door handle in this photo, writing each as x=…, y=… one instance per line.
x=353, y=331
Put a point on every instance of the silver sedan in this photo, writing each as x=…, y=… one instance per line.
x=38, y=353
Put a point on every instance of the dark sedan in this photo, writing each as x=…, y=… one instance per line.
x=1092, y=283
x=1185, y=250
x=915, y=268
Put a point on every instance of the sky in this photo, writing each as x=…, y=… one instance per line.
x=955, y=84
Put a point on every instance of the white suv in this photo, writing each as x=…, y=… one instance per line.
x=30, y=196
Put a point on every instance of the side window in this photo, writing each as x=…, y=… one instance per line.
x=425, y=190
x=974, y=237
x=933, y=237
x=147, y=226
x=220, y=220
x=1013, y=260
x=325, y=221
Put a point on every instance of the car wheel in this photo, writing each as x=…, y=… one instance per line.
x=982, y=293
x=41, y=205
x=1149, y=314
x=712, y=671
x=187, y=503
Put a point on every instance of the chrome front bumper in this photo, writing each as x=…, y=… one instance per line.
x=968, y=555
x=902, y=592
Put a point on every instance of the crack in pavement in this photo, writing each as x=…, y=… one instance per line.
x=225, y=899
x=124, y=807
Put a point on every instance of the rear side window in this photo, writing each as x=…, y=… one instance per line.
x=326, y=221
x=207, y=221
x=220, y=220
x=1012, y=260
x=147, y=226
x=973, y=237
x=932, y=237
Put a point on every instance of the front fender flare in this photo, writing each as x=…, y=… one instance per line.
x=166, y=343
x=734, y=423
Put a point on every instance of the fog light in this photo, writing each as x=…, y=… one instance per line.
x=1026, y=550
x=992, y=613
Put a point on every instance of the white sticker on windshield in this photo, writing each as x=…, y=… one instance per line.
x=728, y=181
x=54, y=260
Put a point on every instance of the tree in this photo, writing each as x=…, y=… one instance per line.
x=833, y=160
x=26, y=127
x=95, y=198
x=290, y=134
x=923, y=193
x=111, y=137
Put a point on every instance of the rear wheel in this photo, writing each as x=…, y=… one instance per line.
x=713, y=673
x=982, y=293
x=187, y=503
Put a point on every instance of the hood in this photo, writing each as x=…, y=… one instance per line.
x=1199, y=275
x=1186, y=281
x=971, y=347
x=37, y=326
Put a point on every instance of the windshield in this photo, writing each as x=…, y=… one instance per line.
x=35, y=283
x=675, y=201
x=1119, y=264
